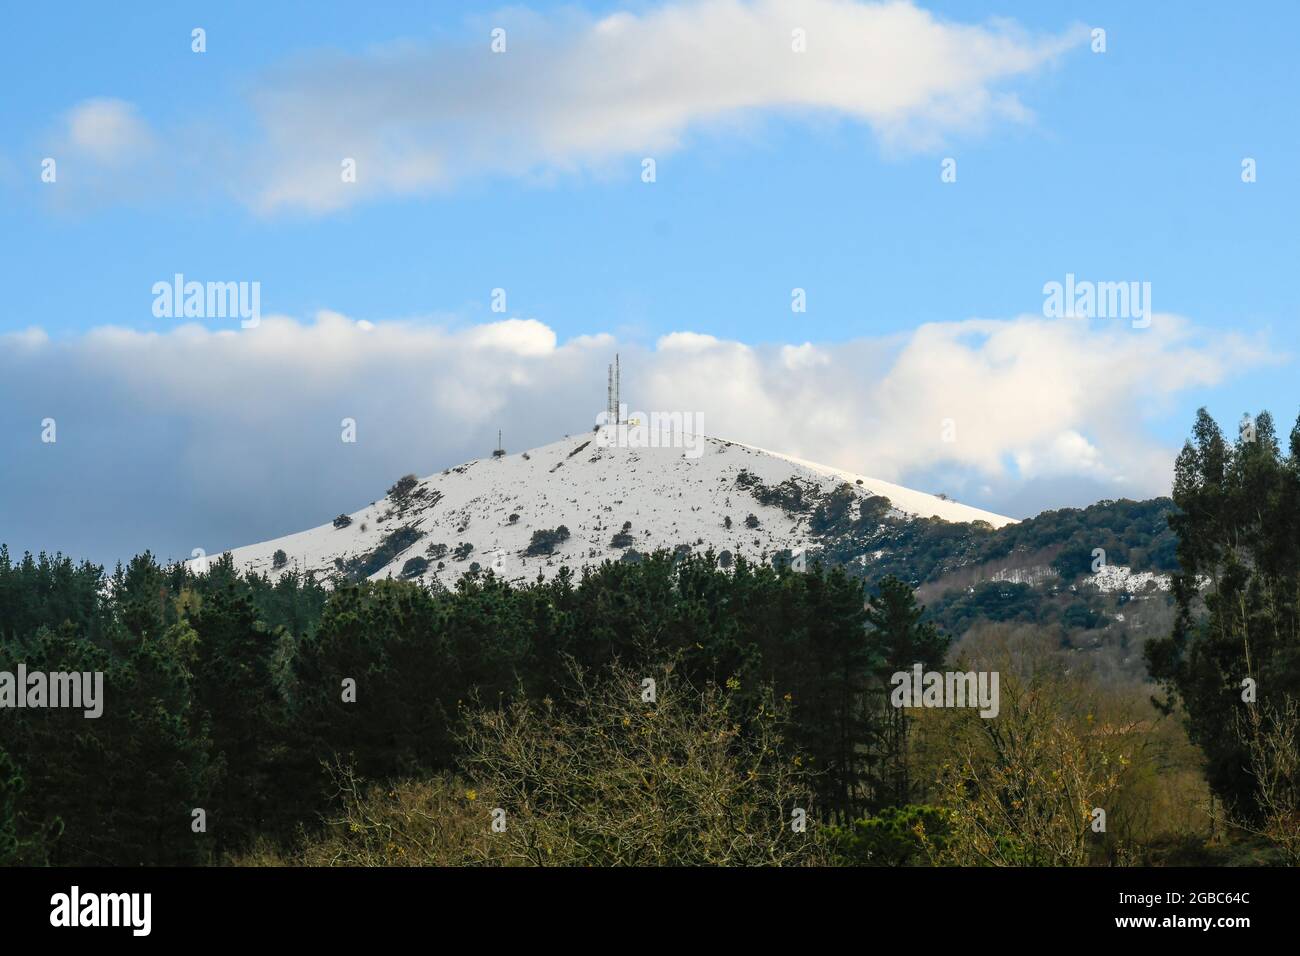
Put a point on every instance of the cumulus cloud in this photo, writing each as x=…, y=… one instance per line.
x=970, y=402
x=203, y=437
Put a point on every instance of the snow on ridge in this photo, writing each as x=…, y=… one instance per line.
x=669, y=498
x=917, y=503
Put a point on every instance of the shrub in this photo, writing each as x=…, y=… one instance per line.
x=435, y=822
x=403, y=487
x=279, y=559
x=897, y=836
x=751, y=522
x=415, y=567
x=1082, y=616
x=389, y=547
x=833, y=514
x=342, y=521
x=545, y=542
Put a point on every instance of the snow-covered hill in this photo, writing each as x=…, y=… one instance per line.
x=487, y=511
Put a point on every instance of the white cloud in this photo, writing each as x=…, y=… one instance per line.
x=204, y=437
x=107, y=153
x=524, y=337
x=1027, y=398
x=572, y=92
x=107, y=130
x=687, y=342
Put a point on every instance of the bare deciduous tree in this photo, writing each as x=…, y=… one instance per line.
x=610, y=778
x=1271, y=735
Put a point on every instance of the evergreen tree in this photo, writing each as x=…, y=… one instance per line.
x=900, y=638
x=1237, y=633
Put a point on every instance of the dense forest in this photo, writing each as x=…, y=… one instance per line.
x=673, y=709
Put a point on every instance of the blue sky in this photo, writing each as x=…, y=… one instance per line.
x=1124, y=165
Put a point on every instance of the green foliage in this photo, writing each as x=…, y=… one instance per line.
x=225, y=691
x=1238, y=592
x=989, y=601
x=834, y=514
x=11, y=785
x=415, y=567
x=901, y=638
x=1134, y=533
x=896, y=836
x=119, y=786
x=190, y=707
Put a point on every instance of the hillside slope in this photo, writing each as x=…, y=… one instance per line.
x=504, y=512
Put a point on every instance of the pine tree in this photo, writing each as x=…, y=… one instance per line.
x=900, y=638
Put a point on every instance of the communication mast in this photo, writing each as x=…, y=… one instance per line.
x=611, y=395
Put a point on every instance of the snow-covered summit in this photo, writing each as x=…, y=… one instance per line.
x=611, y=501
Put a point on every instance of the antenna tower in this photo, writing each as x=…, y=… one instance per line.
x=612, y=407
